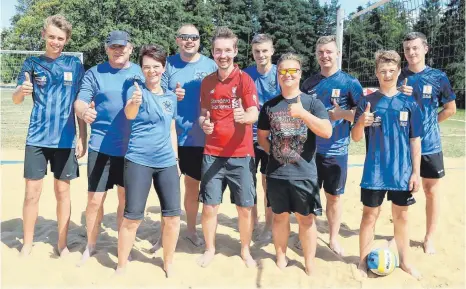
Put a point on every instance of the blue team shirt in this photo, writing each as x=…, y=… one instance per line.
x=190, y=76
x=397, y=119
x=431, y=88
x=267, y=87
x=107, y=87
x=150, y=142
x=56, y=83
x=346, y=91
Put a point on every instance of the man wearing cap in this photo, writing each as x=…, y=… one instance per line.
x=100, y=103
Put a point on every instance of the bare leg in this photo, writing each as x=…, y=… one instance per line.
x=366, y=236
x=170, y=239
x=333, y=211
x=245, y=233
x=30, y=212
x=281, y=232
x=209, y=227
x=62, y=194
x=266, y=234
x=400, y=219
x=126, y=237
x=159, y=243
x=308, y=237
x=431, y=189
x=191, y=206
x=94, y=215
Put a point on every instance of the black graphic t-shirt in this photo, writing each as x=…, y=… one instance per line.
x=293, y=144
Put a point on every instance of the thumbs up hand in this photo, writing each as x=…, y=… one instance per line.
x=136, y=98
x=90, y=113
x=405, y=88
x=296, y=109
x=207, y=125
x=367, y=118
x=26, y=87
x=238, y=110
x=179, y=91
x=336, y=112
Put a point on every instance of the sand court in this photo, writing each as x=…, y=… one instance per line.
x=44, y=269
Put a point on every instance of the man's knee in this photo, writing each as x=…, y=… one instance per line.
x=209, y=210
x=369, y=217
x=171, y=222
x=332, y=199
x=244, y=212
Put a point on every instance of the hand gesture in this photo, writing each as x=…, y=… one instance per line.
x=26, y=87
x=296, y=109
x=238, y=111
x=367, y=118
x=207, y=126
x=335, y=113
x=90, y=113
x=179, y=91
x=136, y=98
x=404, y=88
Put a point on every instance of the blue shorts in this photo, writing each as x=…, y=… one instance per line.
x=234, y=172
x=331, y=173
x=138, y=179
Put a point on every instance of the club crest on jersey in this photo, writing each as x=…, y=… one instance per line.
x=404, y=115
x=377, y=121
x=272, y=85
x=167, y=106
x=212, y=91
x=427, y=91
x=40, y=80
x=68, y=78
x=335, y=93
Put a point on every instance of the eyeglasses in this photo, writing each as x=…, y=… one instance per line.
x=291, y=71
x=186, y=37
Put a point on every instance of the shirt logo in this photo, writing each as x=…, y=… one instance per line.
x=404, y=118
x=68, y=78
x=254, y=97
x=272, y=85
x=212, y=91
x=167, y=106
x=427, y=91
x=40, y=80
x=199, y=75
x=377, y=121
x=335, y=93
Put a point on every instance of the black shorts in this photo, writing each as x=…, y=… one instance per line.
x=63, y=163
x=374, y=198
x=294, y=196
x=234, y=172
x=190, y=161
x=104, y=171
x=138, y=180
x=261, y=157
x=331, y=173
x=432, y=166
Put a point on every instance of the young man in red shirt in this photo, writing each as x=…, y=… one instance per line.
x=228, y=109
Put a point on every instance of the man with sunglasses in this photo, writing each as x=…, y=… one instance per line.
x=101, y=104
x=264, y=74
x=183, y=75
x=340, y=93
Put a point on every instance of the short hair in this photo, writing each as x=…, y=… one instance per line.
x=290, y=56
x=415, y=35
x=261, y=38
x=60, y=22
x=326, y=39
x=225, y=33
x=387, y=56
x=186, y=25
x=153, y=51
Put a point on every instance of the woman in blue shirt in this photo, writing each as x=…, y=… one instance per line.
x=151, y=157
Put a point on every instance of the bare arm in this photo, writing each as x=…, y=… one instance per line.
x=174, y=138
x=357, y=132
x=321, y=127
x=251, y=115
x=415, y=179
x=263, y=139
x=448, y=110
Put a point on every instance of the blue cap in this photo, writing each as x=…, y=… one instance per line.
x=118, y=37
